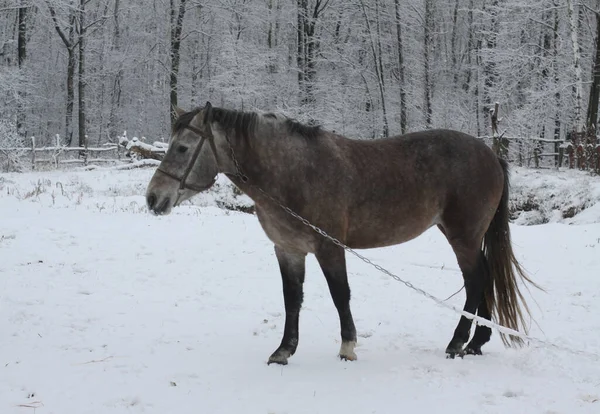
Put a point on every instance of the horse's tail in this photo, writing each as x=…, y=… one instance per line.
x=502, y=293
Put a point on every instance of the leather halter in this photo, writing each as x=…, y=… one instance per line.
x=182, y=179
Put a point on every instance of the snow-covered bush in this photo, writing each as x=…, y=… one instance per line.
x=12, y=147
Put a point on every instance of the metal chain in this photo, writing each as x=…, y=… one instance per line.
x=478, y=319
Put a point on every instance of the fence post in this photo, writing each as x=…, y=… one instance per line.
x=561, y=155
x=57, y=151
x=85, y=151
x=33, y=153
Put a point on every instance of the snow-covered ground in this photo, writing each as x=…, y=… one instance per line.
x=550, y=196
x=107, y=309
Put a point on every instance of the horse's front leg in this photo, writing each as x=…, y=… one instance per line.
x=332, y=260
x=292, y=267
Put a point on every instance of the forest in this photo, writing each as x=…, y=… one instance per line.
x=93, y=69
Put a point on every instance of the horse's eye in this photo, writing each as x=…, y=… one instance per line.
x=181, y=149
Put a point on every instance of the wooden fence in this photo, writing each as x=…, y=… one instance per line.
x=61, y=154
x=529, y=152
x=581, y=149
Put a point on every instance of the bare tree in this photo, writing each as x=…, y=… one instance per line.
x=592, y=113
x=177, y=16
x=68, y=40
x=427, y=45
x=578, y=87
x=308, y=14
x=401, y=69
x=377, y=60
x=21, y=56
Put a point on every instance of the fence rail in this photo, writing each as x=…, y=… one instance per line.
x=61, y=154
x=573, y=153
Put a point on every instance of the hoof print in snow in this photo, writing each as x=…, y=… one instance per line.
x=512, y=394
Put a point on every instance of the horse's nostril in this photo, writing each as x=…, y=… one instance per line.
x=160, y=209
x=151, y=201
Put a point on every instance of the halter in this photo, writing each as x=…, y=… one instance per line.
x=182, y=179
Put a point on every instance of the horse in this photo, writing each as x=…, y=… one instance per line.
x=364, y=194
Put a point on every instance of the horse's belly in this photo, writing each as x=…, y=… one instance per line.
x=388, y=231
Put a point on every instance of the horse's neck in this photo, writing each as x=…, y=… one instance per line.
x=267, y=163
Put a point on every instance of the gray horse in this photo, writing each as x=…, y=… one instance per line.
x=365, y=194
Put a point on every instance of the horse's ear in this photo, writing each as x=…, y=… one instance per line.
x=178, y=111
x=207, y=112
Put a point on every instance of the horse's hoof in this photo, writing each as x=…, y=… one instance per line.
x=348, y=357
x=281, y=360
x=451, y=354
x=279, y=357
x=347, y=351
x=473, y=350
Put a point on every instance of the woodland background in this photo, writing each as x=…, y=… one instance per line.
x=365, y=68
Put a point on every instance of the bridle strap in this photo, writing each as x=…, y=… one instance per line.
x=192, y=162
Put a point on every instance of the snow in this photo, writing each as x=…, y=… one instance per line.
x=551, y=196
x=107, y=309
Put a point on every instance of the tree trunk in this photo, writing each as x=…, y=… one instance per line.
x=71, y=63
x=491, y=75
x=302, y=11
x=114, y=119
x=577, y=67
x=592, y=114
x=454, y=42
x=470, y=48
x=557, y=123
x=81, y=81
x=426, y=57
x=69, y=43
x=376, y=52
x=21, y=56
x=176, y=28
x=308, y=49
x=386, y=128
x=401, y=69
x=270, y=31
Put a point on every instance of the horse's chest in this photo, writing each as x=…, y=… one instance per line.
x=286, y=231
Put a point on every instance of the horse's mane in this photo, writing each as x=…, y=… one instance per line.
x=244, y=123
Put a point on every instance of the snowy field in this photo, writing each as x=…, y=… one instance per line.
x=107, y=309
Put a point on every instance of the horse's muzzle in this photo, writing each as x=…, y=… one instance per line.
x=157, y=206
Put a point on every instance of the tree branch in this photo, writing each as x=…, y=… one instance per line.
x=57, y=27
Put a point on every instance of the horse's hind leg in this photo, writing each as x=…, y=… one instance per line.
x=333, y=263
x=292, y=267
x=482, y=333
x=473, y=267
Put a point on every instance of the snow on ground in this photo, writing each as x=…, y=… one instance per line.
x=107, y=309
x=551, y=196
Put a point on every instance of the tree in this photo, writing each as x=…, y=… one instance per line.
x=177, y=16
x=308, y=14
x=70, y=43
x=401, y=69
x=22, y=55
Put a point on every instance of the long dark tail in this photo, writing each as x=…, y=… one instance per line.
x=503, y=295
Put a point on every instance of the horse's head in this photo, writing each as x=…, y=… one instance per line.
x=190, y=164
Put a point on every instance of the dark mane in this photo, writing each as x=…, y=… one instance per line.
x=307, y=131
x=243, y=123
